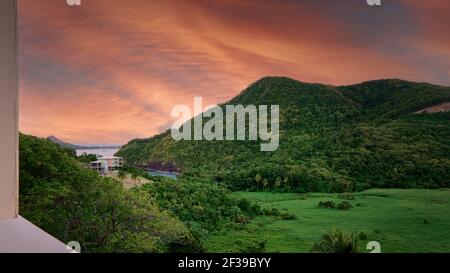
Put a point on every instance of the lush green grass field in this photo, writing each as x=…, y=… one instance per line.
x=401, y=220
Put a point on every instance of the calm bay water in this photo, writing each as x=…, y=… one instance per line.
x=98, y=152
x=165, y=174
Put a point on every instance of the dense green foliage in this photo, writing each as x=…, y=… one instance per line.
x=61, y=195
x=87, y=158
x=333, y=139
x=204, y=207
x=72, y=203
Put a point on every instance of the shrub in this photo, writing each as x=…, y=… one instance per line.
x=242, y=219
x=362, y=236
x=327, y=204
x=347, y=196
x=271, y=212
x=344, y=205
x=249, y=208
x=336, y=242
x=287, y=216
x=255, y=247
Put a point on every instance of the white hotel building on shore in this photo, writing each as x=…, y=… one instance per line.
x=107, y=164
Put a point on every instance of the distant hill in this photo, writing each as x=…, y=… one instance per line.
x=333, y=138
x=78, y=147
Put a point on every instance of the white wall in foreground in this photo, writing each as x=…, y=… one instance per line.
x=20, y=236
x=17, y=235
x=8, y=111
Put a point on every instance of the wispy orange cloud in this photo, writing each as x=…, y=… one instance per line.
x=111, y=70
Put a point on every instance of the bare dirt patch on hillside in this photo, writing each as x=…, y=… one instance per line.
x=128, y=182
x=444, y=107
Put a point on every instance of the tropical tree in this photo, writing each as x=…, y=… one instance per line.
x=135, y=177
x=121, y=175
x=336, y=241
x=285, y=182
x=278, y=182
x=258, y=180
x=265, y=183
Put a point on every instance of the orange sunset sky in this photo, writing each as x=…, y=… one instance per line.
x=111, y=70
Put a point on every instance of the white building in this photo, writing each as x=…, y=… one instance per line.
x=107, y=164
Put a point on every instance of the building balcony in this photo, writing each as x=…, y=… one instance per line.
x=20, y=236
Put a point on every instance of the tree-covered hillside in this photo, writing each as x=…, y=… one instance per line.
x=73, y=203
x=331, y=139
x=61, y=195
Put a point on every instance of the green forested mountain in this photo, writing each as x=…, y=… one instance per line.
x=331, y=139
